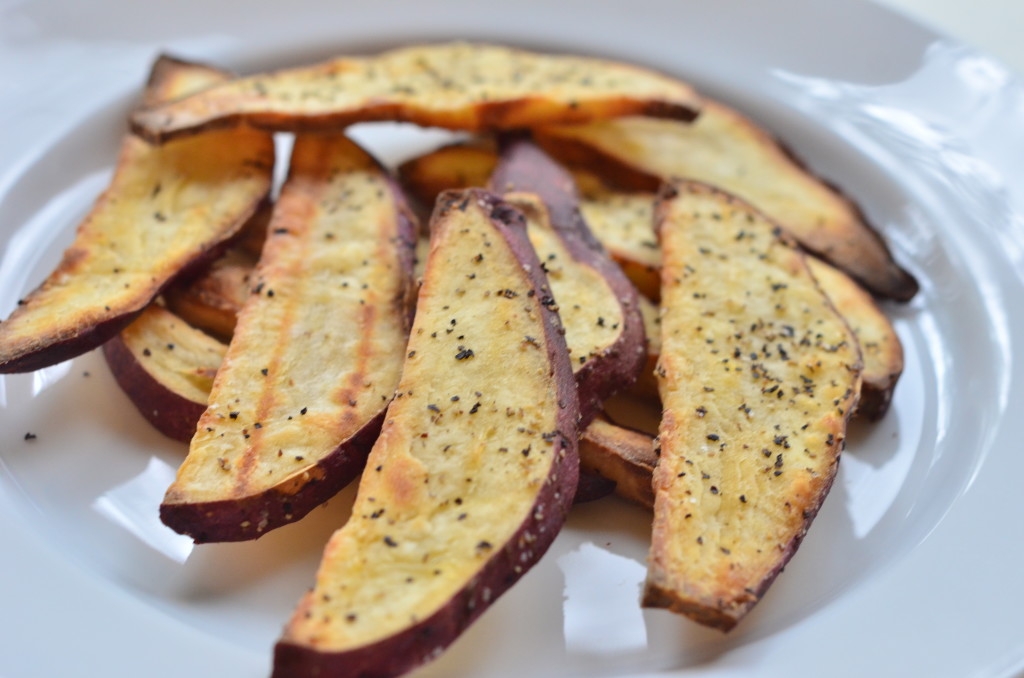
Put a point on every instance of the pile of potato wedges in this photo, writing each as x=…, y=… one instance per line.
x=448, y=333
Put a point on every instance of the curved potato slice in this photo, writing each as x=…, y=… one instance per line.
x=729, y=151
x=166, y=367
x=758, y=375
x=168, y=209
x=599, y=308
x=454, y=85
x=474, y=472
x=315, y=356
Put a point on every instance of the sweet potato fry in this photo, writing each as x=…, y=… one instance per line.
x=315, y=356
x=474, y=471
x=453, y=85
x=758, y=375
x=168, y=209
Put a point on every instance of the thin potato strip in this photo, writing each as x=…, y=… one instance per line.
x=453, y=85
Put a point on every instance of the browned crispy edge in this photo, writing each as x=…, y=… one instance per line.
x=425, y=640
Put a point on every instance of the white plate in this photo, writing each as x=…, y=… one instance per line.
x=913, y=566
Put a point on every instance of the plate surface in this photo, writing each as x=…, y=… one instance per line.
x=911, y=568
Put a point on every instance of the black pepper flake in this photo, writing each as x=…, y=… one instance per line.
x=701, y=411
x=464, y=353
x=233, y=415
x=433, y=408
x=264, y=371
x=455, y=398
x=714, y=490
x=390, y=542
x=713, y=436
x=743, y=499
x=484, y=545
x=303, y=410
x=257, y=425
x=475, y=408
x=30, y=436
x=146, y=352
x=170, y=347
x=700, y=540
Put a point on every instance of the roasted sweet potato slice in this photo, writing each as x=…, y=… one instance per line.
x=168, y=209
x=622, y=456
x=474, y=471
x=315, y=357
x=598, y=305
x=454, y=85
x=727, y=150
x=166, y=367
x=880, y=346
x=758, y=375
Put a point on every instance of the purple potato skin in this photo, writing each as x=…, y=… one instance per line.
x=525, y=167
x=171, y=413
x=425, y=640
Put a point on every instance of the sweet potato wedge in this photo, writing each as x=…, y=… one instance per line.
x=167, y=210
x=166, y=367
x=599, y=308
x=880, y=346
x=758, y=375
x=315, y=356
x=453, y=85
x=212, y=301
x=453, y=167
x=474, y=471
x=727, y=150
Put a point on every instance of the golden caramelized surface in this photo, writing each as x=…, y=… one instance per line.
x=729, y=151
x=758, y=375
x=454, y=85
x=467, y=445
x=317, y=350
x=165, y=207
